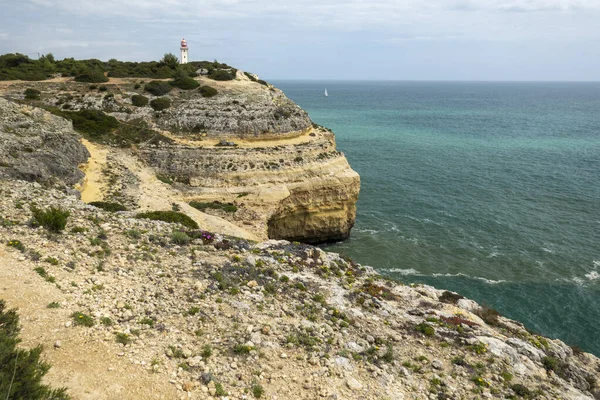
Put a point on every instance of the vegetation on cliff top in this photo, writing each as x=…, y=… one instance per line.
x=15, y=66
x=99, y=127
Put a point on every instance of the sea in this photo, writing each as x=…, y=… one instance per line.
x=489, y=189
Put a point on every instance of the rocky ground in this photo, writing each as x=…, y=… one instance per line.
x=155, y=307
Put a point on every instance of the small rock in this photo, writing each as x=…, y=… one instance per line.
x=353, y=384
x=57, y=344
x=437, y=364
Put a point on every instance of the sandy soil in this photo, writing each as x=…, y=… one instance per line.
x=89, y=368
x=94, y=181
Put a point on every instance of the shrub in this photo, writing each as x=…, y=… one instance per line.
x=95, y=76
x=122, y=338
x=139, y=101
x=169, y=216
x=82, y=319
x=450, y=298
x=17, y=244
x=257, y=390
x=228, y=207
x=158, y=88
x=425, y=329
x=250, y=76
x=185, y=83
x=222, y=75
x=206, y=351
x=102, y=88
x=208, y=91
x=180, y=238
x=108, y=206
x=242, y=349
x=32, y=94
x=162, y=103
x=27, y=383
x=92, y=122
x=521, y=390
x=264, y=83
x=53, y=219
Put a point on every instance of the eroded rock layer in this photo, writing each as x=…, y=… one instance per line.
x=38, y=146
x=304, y=191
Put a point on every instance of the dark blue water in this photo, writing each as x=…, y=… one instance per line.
x=488, y=189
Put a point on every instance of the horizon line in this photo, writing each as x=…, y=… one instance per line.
x=437, y=80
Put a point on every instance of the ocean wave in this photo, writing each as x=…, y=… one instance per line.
x=414, y=272
x=593, y=276
x=596, y=263
x=547, y=250
x=493, y=254
x=364, y=230
x=460, y=274
x=409, y=271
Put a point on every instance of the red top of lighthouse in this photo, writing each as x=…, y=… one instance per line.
x=183, y=43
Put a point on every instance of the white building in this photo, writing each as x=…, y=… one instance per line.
x=184, y=52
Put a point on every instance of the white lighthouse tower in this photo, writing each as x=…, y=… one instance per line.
x=184, y=52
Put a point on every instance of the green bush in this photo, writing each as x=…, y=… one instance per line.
x=228, y=207
x=264, y=83
x=222, y=75
x=158, y=88
x=32, y=94
x=180, y=238
x=425, y=329
x=92, y=122
x=185, y=83
x=162, y=103
x=53, y=219
x=108, y=206
x=139, y=100
x=250, y=76
x=169, y=216
x=82, y=319
x=95, y=76
x=207, y=91
x=21, y=371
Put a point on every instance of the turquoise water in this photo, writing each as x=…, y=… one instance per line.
x=488, y=189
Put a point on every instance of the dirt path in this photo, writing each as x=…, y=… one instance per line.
x=94, y=182
x=89, y=368
x=289, y=139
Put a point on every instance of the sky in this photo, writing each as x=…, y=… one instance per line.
x=486, y=40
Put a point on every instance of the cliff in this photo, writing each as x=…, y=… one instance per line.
x=244, y=144
x=38, y=146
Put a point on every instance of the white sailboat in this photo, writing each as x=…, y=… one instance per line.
x=326, y=93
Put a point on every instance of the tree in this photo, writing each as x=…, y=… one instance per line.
x=170, y=60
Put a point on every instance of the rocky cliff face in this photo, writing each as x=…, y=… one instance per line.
x=301, y=190
x=241, y=108
x=38, y=146
x=284, y=174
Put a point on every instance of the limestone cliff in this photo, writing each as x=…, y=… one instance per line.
x=247, y=144
x=38, y=146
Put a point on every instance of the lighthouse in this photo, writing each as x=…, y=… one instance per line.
x=184, y=52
